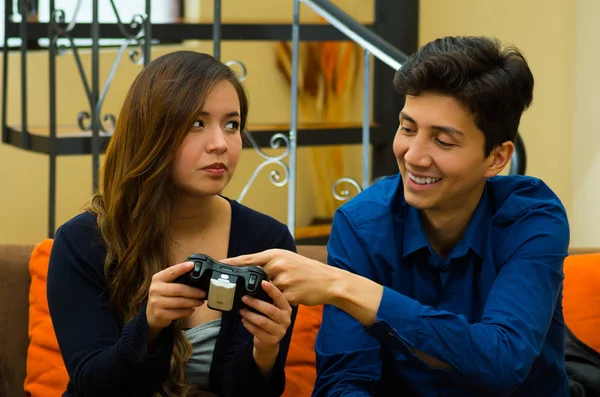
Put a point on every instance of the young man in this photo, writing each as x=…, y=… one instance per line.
x=446, y=278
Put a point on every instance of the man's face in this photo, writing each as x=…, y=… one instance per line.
x=440, y=154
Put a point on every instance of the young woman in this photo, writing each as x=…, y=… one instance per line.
x=124, y=327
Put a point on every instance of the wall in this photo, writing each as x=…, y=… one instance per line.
x=544, y=31
x=24, y=175
x=585, y=216
x=559, y=129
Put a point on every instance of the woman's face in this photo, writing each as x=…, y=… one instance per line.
x=206, y=160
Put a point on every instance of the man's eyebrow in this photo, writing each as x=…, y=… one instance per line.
x=407, y=117
x=230, y=114
x=448, y=130
x=440, y=128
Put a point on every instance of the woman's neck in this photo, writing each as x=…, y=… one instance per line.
x=192, y=214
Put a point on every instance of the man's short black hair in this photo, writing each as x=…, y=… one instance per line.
x=495, y=84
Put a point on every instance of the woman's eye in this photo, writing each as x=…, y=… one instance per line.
x=198, y=124
x=232, y=125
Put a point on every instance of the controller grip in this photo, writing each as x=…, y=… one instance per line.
x=187, y=279
x=262, y=295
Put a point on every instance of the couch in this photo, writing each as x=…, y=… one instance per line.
x=15, y=281
x=14, y=305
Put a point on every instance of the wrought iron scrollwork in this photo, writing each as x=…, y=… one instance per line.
x=344, y=195
x=134, y=34
x=244, y=71
x=277, y=141
x=275, y=177
x=84, y=121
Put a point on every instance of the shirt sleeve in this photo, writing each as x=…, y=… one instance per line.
x=101, y=357
x=498, y=352
x=348, y=358
x=241, y=374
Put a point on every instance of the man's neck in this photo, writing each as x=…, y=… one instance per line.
x=446, y=227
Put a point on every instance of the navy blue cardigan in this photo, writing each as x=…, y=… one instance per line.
x=104, y=358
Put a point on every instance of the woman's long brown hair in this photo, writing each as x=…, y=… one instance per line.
x=134, y=206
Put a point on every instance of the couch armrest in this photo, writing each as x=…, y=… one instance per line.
x=14, y=315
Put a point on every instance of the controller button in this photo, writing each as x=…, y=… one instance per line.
x=196, y=271
x=252, y=281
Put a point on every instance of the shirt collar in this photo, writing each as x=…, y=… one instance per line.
x=414, y=236
x=476, y=235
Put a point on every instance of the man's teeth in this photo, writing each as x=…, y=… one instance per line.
x=423, y=181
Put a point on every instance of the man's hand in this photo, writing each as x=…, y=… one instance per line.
x=302, y=280
x=309, y=282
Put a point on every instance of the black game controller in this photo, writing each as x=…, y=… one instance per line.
x=225, y=285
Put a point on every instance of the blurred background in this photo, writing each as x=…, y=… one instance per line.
x=558, y=37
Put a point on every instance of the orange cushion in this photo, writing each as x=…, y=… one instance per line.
x=46, y=372
x=581, y=297
x=300, y=367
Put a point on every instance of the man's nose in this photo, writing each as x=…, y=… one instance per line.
x=418, y=154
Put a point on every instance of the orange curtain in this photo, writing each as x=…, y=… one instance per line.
x=326, y=83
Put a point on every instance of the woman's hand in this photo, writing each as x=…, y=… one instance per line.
x=302, y=280
x=268, y=328
x=168, y=301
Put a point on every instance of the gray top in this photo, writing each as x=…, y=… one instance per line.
x=203, y=339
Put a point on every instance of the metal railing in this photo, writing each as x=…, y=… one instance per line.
x=138, y=33
x=371, y=44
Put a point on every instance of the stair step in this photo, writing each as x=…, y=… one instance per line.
x=313, y=231
x=308, y=127
x=72, y=141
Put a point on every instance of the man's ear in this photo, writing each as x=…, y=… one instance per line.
x=498, y=158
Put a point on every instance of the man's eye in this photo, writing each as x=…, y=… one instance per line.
x=443, y=144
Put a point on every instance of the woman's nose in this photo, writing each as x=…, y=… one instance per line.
x=217, y=142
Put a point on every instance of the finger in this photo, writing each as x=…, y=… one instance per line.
x=277, y=314
x=174, y=314
x=172, y=272
x=283, y=263
x=262, y=335
x=181, y=290
x=177, y=303
x=257, y=259
x=267, y=309
x=276, y=294
x=269, y=325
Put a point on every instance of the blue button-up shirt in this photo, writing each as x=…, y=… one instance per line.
x=491, y=309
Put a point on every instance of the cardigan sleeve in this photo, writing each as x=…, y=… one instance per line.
x=101, y=357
